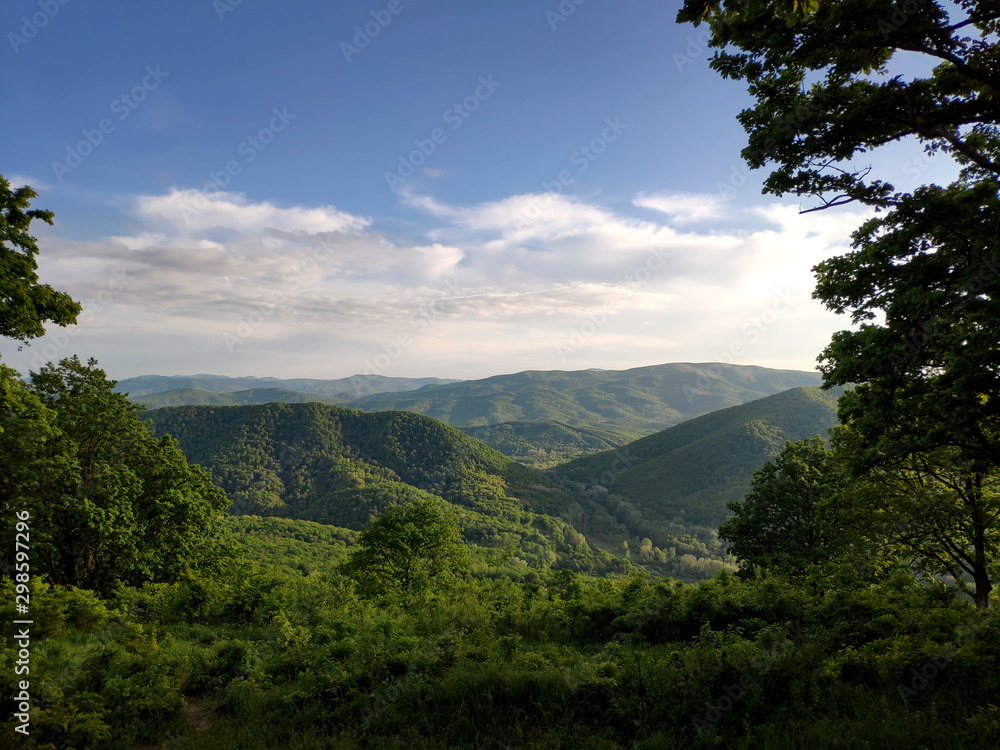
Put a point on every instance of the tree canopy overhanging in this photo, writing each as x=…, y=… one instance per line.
x=827, y=90
x=25, y=304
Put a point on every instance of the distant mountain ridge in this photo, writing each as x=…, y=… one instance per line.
x=355, y=385
x=638, y=399
x=540, y=418
x=198, y=397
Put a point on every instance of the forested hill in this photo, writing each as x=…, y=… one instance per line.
x=339, y=466
x=539, y=418
x=661, y=496
x=641, y=399
x=687, y=473
x=542, y=418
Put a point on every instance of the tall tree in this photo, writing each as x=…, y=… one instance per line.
x=406, y=547
x=793, y=519
x=921, y=284
x=25, y=305
x=923, y=287
x=109, y=502
x=929, y=510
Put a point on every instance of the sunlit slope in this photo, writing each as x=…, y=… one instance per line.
x=339, y=466
x=637, y=400
x=689, y=472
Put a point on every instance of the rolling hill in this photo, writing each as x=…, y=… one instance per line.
x=642, y=399
x=339, y=466
x=656, y=501
x=686, y=474
x=539, y=418
x=543, y=418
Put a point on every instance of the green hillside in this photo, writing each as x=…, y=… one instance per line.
x=539, y=418
x=541, y=445
x=657, y=501
x=339, y=466
x=687, y=474
x=635, y=401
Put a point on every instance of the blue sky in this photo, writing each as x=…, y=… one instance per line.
x=264, y=188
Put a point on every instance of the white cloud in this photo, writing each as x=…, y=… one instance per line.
x=490, y=287
x=194, y=210
x=17, y=180
x=683, y=208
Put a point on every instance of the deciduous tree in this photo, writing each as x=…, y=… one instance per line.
x=109, y=502
x=921, y=285
x=407, y=546
x=794, y=518
x=827, y=91
x=25, y=304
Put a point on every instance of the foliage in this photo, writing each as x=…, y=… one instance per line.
x=109, y=503
x=407, y=547
x=823, y=75
x=795, y=519
x=921, y=284
x=338, y=466
x=576, y=661
x=26, y=305
x=928, y=509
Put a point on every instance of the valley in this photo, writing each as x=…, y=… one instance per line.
x=654, y=502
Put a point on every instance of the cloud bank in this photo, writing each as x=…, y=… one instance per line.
x=220, y=283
